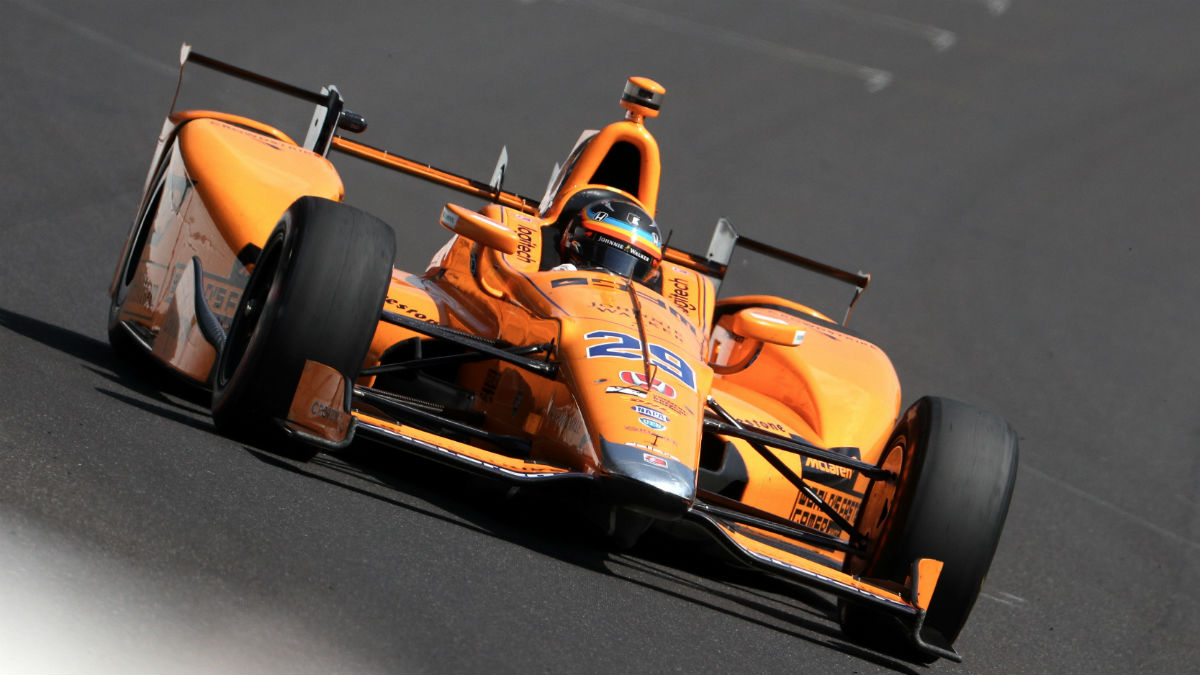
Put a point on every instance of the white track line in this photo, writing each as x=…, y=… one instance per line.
x=994, y=7
x=874, y=79
x=939, y=38
x=1005, y=598
x=997, y=7
x=162, y=66
x=1173, y=536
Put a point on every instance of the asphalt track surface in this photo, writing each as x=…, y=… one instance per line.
x=1019, y=177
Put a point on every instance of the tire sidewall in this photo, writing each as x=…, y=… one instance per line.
x=235, y=374
x=320, y=282
x=951, y=500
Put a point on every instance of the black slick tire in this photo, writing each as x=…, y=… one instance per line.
x=957, y=467
x=315, y=293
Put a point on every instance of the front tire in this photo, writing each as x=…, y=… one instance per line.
x=315, y=293
x=956, y=470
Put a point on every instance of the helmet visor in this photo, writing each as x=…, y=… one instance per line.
x=617, y=257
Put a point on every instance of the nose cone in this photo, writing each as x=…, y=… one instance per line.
x=648, y=482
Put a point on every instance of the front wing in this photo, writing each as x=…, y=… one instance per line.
x=771, y=546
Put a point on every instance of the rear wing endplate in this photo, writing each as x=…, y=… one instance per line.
x=725, y=239
x=329, y=115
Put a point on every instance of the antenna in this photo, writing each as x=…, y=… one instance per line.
x=642, y=98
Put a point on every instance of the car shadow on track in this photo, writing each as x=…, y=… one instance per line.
x=145, y=379
x=487, y=506
x=688, y=570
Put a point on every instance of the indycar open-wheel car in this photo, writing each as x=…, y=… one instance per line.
x=645, y=395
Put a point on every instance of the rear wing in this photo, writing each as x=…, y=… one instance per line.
x=330, y=112
x=330, y=115
x=715, y=264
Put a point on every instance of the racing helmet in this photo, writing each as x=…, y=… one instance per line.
x=614, y=234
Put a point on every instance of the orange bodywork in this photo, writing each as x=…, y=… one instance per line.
x=217, y=192
x=634, y=382
x=636, y=364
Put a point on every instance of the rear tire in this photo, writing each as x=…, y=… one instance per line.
x=957, y=467
x=315, y=293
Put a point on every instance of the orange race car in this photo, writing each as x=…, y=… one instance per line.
x=561, y=341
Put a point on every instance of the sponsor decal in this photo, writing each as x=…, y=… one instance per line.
x=674, y=312
x=839, y=336
x=807, y=514
x=612, y=284
x=639, y=380
x=629, y=391
x=324, y=411
x=826, y=467
x=177, y=188
x=664, y=327
x=517, y=402
x=658, y=440
x=642, y=446
x=612, y=309
x=623, y=246
x=525, y=246
x=618, y=285
x=651, y=448
x=221, y=297
x=654, y=460
x=763, y=424
x=651, y=412
x=681, y=294
x=613, y=344
x=491, y=382
x=221, y=294
x=394, y=305
x=664, y=402
x=653, y=424
x=566, y=422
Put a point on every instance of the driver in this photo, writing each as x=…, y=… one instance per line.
x=616, y=235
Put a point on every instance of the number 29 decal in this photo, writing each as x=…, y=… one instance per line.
x=622, y=346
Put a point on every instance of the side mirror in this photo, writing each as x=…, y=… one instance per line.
x=738, y=338
x=768, y=325
x=478, y=228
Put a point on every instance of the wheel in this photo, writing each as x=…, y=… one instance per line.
x=315, y=293
x=956, y=469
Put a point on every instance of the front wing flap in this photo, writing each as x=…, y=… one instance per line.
x=461, y=454
x=773, y=554
x=758, y=548
x=321, y=413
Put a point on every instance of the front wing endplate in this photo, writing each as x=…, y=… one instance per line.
x=908, y=603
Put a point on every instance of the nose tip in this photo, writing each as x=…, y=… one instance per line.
x=652, y=482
